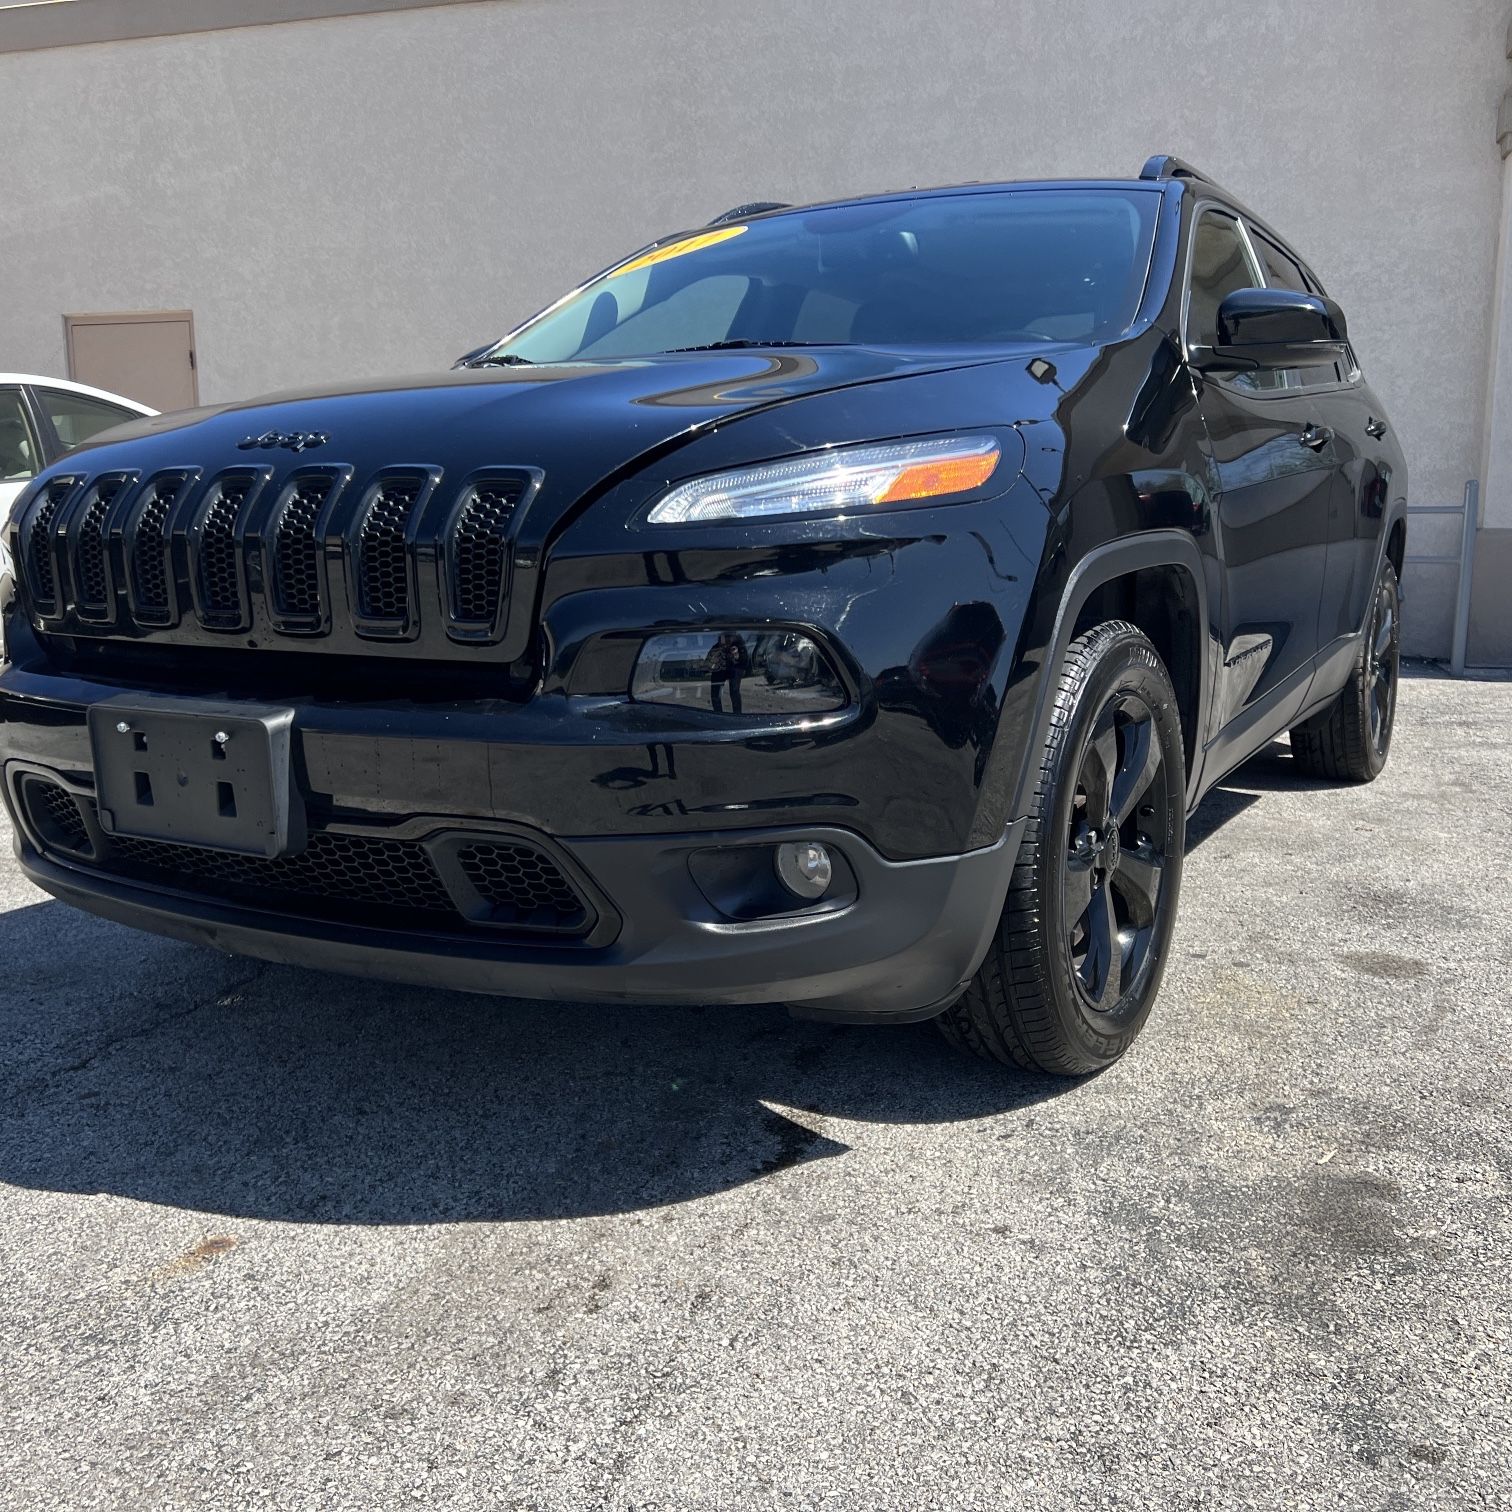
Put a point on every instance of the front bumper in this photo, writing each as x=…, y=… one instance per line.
x=902, y=950
x=901, y=947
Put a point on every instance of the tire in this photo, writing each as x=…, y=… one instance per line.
x=1067, y=985
x=1350, y=740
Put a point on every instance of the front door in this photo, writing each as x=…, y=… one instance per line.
x=146, y=357
x=1336, y=393
x=1276, y=467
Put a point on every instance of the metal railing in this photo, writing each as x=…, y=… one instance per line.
x=1469, y=513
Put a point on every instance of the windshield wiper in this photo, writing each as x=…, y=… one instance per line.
x=511, y=359
x=739, y=342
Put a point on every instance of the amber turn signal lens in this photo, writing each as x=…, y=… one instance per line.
x=951, y=475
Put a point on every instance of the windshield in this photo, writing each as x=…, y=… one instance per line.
x=1004, y=266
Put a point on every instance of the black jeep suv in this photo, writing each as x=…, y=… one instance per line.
x=840, y=606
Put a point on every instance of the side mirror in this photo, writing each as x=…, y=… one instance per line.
x=1274, y=328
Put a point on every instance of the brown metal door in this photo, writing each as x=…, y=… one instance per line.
x=146, y=356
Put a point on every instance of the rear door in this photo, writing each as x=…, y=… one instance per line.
x=1276, y=468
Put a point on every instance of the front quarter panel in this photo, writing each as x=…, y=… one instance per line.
x=921, y=607
x=1136, y=492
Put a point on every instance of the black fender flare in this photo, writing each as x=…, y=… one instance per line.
x=1150, y=548
x=1396, y=515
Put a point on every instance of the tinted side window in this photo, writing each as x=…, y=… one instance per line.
x=76, y=418
x=1283, y=272
x=1220, y=264
x=18, y=447
x=1280, y=271
x=1349, y=369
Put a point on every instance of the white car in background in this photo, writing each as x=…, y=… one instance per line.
x=41, y=418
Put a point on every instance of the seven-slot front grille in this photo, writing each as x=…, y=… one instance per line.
x=394, y=557
x=338, y=873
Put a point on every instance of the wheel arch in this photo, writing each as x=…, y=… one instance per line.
x=1394, y=538
x=1123, y=579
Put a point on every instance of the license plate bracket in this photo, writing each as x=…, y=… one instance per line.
x=197, y=772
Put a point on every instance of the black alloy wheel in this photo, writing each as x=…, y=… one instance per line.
x=1383, y=666
x=1115, y=852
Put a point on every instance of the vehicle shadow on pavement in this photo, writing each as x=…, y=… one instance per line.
x=171, y=1074
x=1272, y=770
x=167, y=1073
x=162, y=1072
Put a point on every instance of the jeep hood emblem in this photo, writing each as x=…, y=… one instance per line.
x=294, y=441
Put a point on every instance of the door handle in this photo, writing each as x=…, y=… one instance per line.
x=1316, y=437
x=1375, y=428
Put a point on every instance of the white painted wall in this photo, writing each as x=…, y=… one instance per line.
x=375, y=194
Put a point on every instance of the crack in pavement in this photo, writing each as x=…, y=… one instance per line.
x=143, y=1031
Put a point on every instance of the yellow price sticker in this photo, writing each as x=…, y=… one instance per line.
x=679, y=249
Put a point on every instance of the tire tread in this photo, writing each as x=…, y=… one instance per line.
x=1006, y=1014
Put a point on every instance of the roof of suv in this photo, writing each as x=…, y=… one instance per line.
x=1159, y=171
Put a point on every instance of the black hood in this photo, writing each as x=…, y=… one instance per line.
x=586, y=423
x=577, y=421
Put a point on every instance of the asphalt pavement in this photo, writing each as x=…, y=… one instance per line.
x=275, y=1239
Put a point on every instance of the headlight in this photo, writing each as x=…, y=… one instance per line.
x=738, y=672
x=849, y=478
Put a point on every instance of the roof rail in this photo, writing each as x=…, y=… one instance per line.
x=1163, y=166
x=756, y=207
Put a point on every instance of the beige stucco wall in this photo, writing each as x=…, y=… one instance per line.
x=378, y=193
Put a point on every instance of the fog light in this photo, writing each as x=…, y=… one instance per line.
x=804, y=868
